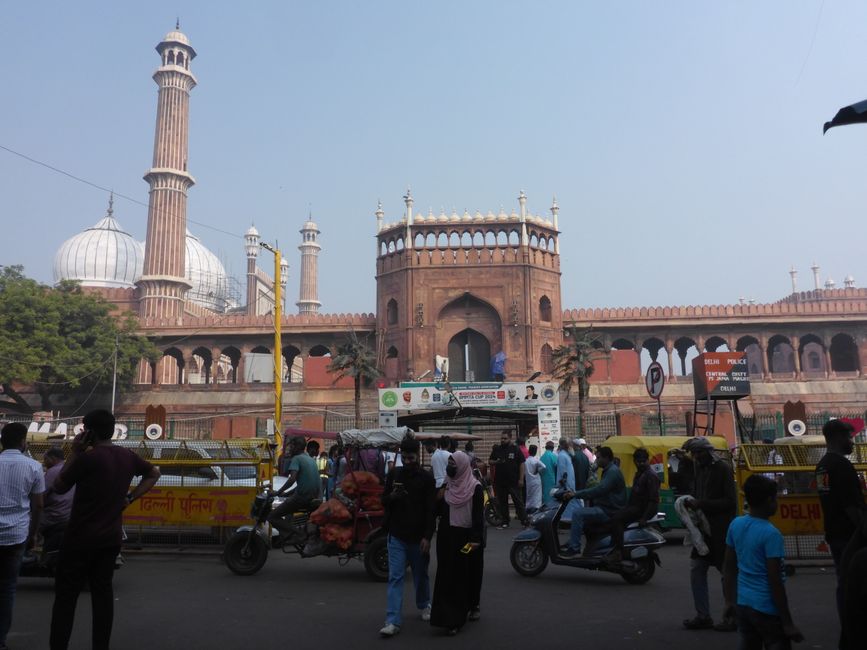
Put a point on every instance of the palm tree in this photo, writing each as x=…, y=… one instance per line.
x=574, y=365
x=355, y=359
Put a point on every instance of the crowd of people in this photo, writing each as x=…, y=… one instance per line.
x=75, y=504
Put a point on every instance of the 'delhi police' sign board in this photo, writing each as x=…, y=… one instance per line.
x=721, y=375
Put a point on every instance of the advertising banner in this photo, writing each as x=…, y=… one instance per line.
x=721, y=375
x=425, y=396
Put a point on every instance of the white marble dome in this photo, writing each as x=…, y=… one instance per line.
x=205, y=272
x=104, y=255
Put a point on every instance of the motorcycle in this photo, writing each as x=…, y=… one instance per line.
x=534, y=547
x=492, y=506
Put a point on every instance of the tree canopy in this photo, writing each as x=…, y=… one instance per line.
x=61, y=340
x=574, y=365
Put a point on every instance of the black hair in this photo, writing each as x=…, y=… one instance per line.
x=297, y=442
x=444, y=442
x=759, y=489
x=533, y=449
x=605, y=451
x=549, y=444
x=100, y=422
x=332, y=449
x=12, y=435
x=469, y=446
x=641, y=452
x=834, y=428
x=54, y=452
x=409, y=445
x=506, y=432
x=312, y=445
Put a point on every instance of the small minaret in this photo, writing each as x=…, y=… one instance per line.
x=555, y=212
x=816, y=281
x=849, y=282
x=251, y=245
x=163, y=283
x=408, y=200
x=522, y=201
x=380, y=215
x=793, y=272
x=308, y=294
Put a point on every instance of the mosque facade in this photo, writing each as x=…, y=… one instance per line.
x=466, y=288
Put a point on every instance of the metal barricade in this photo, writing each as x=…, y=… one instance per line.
x=205, y=489
x=792, y=464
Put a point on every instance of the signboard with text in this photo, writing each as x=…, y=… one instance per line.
x=549, y=424
x=432, y=395
x=192, y=506
x=721, y=375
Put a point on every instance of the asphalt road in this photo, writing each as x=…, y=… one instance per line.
x=189, y=602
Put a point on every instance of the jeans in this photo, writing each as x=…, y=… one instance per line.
x=837, y=547
x=77, y=567
x=759, y=631
x=10, y=564
x=581, y=515
x=698, y=568
x=399, y=554
x=503, y=491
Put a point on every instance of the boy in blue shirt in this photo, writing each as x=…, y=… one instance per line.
x=754, y=572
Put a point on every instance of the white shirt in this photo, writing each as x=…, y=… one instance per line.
x=438, y=463
x=20, y=478
x=392, y=457
x=533, y=466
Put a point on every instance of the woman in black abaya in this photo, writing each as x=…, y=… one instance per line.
x=460, y=548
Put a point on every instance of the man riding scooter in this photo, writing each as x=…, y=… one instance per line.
x=608, y=496
x=643, y=502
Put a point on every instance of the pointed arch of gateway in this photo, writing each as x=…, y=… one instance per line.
x=469, y=332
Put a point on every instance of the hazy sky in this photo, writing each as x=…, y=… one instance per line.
x=683, y=140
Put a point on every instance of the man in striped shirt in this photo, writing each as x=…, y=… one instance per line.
x=21, y=488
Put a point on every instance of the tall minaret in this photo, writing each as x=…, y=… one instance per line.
x=251, y=246
x=308, y=295
x=163, y=284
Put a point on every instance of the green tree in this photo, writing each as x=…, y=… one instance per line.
x=61, y=340
x=355, y=359
x=574, y=365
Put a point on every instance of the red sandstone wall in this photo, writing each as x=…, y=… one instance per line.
x=316, y=374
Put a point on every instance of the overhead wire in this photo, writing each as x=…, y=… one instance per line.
x=107, y=190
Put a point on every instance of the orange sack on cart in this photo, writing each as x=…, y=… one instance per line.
x=354, y=482
x=330, y=512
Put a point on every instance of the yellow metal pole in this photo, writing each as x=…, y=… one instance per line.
x=278, y=351
x=278, y=355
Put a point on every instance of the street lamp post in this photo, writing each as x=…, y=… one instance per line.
x=281, y=270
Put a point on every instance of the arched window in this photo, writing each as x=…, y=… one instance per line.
x=534, y=241
x=399, y=245
x=844, y=354
x=171, y=59
x=514, y=238
x=392, y=353
x=490, y=239
x=391, y=246
x=545, y=309
x=180, y=59
x=454, y=240
x=443, y=240
x=546, y=359
x=319, y=351
x=419, y=240
x=383, y=249
x=466, y=240
x=502, y=238
x=478, y=239
x=430, y=241
x=391, y=312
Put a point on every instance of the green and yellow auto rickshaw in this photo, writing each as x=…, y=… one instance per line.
x=675, y=477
